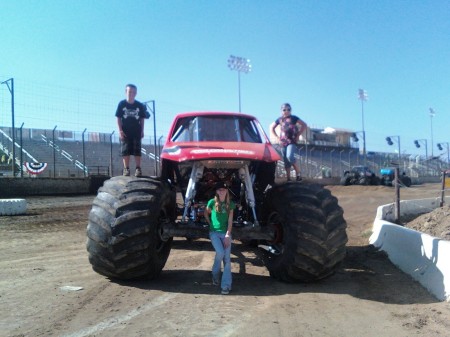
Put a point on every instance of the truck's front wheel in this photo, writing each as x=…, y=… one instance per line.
x=124, y=230
x=311, y=232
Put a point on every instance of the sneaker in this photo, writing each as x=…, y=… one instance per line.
x=215, y=282
x=126, y=172
x=299, y=178
x=138, y=172
x=225, y=291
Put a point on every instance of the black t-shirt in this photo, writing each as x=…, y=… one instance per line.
x=130, y=114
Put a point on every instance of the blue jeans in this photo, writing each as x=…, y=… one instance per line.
x=222, y=254
x=289, y=155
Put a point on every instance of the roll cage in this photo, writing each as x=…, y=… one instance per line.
x=225, y=128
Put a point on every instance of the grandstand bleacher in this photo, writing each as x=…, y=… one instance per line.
x=98, y=154
x=70, y=154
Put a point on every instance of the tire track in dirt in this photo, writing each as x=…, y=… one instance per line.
x=120, y=319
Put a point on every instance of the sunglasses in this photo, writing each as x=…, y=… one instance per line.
x=286, y=109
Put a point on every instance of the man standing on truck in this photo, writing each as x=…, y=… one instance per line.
x=130, y=115
x=291, y=127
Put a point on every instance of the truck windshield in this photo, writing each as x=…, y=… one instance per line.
x=216, y=128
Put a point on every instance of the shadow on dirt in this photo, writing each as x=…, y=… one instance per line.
x=365, y=274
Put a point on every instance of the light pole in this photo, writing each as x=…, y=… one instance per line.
x=111, y=154
x=11, y=90
x=240, y=64
x=363, y=97
x=84, y=154
x=159, y=148
x=439, y=145
x=54, y=151
x=349, y=159
x=355, y=138
x=432, y=113
x=21, y=151
x=152, y=109
x=417, y=143
x=331, y=161
x=340, y=161
x=390, y=142
x=310, y=171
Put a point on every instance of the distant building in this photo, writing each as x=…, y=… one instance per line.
x=328, y=136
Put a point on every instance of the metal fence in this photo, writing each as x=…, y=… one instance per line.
x=318, y=161
x=68, y=154
x=81, y=154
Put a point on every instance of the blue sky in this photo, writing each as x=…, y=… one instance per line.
x=312, y=54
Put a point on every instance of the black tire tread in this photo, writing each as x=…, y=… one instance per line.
x=122, y=231
x=314, y=232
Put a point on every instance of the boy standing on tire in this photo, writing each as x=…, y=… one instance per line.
x=219, y=215
x=291, y=127
x=130, y=115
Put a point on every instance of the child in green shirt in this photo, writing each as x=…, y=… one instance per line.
x=219, y=215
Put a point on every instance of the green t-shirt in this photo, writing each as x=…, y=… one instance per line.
x=219, y=221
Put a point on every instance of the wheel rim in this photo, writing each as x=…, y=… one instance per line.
x=274, y=220
x=162, y=219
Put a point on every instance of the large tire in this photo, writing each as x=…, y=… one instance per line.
x=345, y=180
x=123, y=233
x=388, y=181
x=363, y=181
x=375, y=181
x=406, y=181
x=311, y=232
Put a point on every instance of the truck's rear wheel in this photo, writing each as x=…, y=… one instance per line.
x=363, y=181
x=311, y=235
x=123, y=233
x=345, y=180
x=406, y=181
x=375, y=181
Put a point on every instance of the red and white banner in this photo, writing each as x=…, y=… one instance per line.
x=35, y=168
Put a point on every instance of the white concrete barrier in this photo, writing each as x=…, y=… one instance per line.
x=13, y=206
x=420, y=255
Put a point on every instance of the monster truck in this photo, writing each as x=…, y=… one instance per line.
x=359, y=175
x=298, y=226
x=388, y=176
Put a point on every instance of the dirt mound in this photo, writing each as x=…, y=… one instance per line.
x=436, y=223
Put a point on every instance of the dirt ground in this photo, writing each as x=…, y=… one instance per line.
x=435, y=223
x=44, y=254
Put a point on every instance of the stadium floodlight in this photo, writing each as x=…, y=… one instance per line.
x=390, y=141
x=432, y=114
x=439, y=146
x=417, y=143
x=11, y=90
x=362, y=95
x=240, y=64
